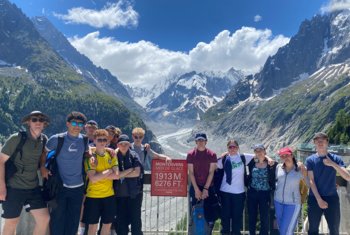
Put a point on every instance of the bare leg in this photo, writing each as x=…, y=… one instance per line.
x=42, y=218
x=10, y=226
x=106, y=229
x=92, y=229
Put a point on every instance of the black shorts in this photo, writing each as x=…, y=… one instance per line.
x=16, y=199
x=94, y=208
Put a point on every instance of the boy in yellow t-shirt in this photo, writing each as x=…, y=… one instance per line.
x=100, y=200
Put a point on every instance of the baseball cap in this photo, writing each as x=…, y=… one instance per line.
x=258, y=146
x=123, y=139
x=92, y=123
x=320, y=135
x=285, y=150
x=200, y=136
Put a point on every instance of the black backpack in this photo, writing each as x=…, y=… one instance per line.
x=53, y=185
x=10, y=167
x=219, y=173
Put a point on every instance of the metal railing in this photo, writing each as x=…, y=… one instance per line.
x=169, y=216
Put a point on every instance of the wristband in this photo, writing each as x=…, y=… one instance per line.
x=205, y=188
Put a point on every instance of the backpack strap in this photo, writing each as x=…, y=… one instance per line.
x=59, y=144
x=245, y=170
x=19, y=147
x=144, y=154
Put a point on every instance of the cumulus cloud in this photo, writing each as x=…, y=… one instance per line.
x=257, y=18
x=144, y=64
x=112, y=15
x=336, y=5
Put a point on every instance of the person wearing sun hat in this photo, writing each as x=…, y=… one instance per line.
x=322, y=168
x=22, y=189
x=287, y=197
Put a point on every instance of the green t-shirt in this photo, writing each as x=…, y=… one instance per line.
x=26, y=176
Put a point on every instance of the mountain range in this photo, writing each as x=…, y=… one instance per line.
x=190, y=95
x=297, y=92
x=34, y=76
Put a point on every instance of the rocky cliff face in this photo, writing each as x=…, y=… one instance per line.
x=298, y=91
x=191, y=95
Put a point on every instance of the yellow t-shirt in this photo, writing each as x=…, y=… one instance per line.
x=104, y=187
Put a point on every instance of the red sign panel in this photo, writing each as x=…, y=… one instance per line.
x=169, y=178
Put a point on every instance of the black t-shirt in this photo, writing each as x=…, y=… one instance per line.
x=128, y=187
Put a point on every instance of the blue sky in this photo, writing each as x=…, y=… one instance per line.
x=181, y=24
x=145, y=42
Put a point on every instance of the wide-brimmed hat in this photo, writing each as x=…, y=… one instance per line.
x=36, y=113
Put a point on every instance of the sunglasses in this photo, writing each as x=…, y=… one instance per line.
x=233, y=147
x=75, y=123
x=101, y=140
x=137, y=137
x=37, y=119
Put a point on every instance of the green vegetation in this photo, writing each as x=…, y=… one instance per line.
x=339, y=131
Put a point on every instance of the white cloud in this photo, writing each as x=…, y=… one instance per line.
x=257, y=18
x=336, y=5
x=113, y=15
x=144, y=64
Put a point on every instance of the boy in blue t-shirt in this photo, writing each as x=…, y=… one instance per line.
x=323, y=198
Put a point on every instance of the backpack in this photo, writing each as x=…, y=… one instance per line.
x=198, y=225
x=219, y=173
x=10, y=167
x=53, y=185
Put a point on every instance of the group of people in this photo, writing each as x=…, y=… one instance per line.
x=234, y=178
x=110, y=193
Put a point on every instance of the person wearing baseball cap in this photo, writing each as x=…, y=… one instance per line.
x=287, y=197
x=90, y=127
x=21, y=188
x=322, y=168
x=128, y=189
x=261, y=182
x=201, y=163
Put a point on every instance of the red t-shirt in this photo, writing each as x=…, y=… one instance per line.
x=201, y=164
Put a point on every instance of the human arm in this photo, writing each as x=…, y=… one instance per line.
x=160, y=156
x=3, y=191
x=212, y=169
x=97, y=176
x=198, y=193
x=340, y=169
x=45, y=173
x=321, y=203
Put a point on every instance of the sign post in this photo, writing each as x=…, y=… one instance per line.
x=169, y=178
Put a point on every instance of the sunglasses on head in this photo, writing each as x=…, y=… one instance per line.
x=232, y=147
x=102, y=140
x=75, y=123
x=138, y=137
x=38, y=119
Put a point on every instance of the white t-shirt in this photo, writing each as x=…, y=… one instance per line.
x=237, y=183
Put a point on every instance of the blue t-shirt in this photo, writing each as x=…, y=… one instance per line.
x=70, y=158
x=324, y=176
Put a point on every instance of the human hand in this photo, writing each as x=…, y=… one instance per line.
x=198, y=194
x=205, y=194
x=3, y=192
x=322, y=204
x=45, y=173
x=147, y=147
x=328, y=162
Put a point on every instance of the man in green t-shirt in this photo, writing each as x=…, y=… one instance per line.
x=22, y=189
